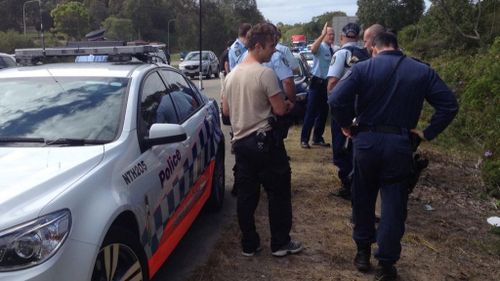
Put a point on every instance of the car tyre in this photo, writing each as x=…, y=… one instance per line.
x=217, y=74
x=209, y=73
x=120, y=258
x=216, y=199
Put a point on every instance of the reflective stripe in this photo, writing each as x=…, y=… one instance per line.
x=181, y=220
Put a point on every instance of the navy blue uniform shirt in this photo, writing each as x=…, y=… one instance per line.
x=412, y=82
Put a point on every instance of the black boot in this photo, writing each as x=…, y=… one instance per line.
x=386, y=272
x=362, y=259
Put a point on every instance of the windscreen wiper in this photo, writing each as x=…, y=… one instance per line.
x=20, y=139
x=73, y=142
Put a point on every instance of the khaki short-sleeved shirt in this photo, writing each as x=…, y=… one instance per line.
x=247, y=89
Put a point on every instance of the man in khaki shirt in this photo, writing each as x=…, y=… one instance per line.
x=251, y=97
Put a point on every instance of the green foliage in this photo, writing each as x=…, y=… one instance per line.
x=72, y=19
x=476, y=81
x=11, y=40
x=394, y=14
x=118, y=29
x=310, y=29
x=460, y=25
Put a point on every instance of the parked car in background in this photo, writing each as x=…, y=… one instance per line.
x=7, y=61
x=190, y=65
x=302, y=80
x=105, y=165
x=308, y=55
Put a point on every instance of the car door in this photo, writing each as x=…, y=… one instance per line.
x=161, y=187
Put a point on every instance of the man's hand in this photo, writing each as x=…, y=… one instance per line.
x=419, y=133
x=323, y=32
x=347, y=132
x=317, y=42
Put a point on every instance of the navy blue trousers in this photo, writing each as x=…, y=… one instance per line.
x=342, y=158
x=381, y=162
x=316, y=112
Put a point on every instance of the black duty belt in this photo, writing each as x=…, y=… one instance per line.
x=381, y=129
x=316, y=79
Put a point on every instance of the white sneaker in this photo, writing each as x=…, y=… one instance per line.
x=293, y=247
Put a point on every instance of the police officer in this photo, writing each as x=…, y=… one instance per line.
x=252, y=97
x=342, y=60
x=317, y=107
x=290, y=60
x=390, y=91
x=238, y=48
x=370, y=33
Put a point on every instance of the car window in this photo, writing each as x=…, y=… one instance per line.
x=6, y=62
x=185, y=99
x=52, y=108
x=153, y=91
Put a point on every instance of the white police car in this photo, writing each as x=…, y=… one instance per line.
x=104, y=166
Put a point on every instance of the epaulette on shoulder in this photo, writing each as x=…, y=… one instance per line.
x=420, y=61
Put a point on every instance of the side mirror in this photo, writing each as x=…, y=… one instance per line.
x=182, y=59
x=160, y=133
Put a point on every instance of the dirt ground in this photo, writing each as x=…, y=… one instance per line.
x=450, y=242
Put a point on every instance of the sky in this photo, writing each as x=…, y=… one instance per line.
x=302, y=11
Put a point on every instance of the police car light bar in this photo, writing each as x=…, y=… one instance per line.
x=121, y=53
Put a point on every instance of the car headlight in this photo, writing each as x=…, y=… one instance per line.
x=33, y=242
x=181, y=67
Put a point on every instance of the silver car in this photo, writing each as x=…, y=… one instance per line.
x=104, y=168
x=190, y=65
x=7, y=60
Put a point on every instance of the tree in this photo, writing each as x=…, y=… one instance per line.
x=72, y=19
x=98, y=11
x=119, y=29
x=394, y=14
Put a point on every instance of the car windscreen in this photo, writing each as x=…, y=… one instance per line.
x=50, y=109
x=7, y=62
x=196, y=56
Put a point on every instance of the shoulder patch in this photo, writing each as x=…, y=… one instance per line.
x=332, y=62
x=346, y=75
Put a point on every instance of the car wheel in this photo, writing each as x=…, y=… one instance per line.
x=217, y=74
x=216, y=199
x=120, y=258
x=209, y=73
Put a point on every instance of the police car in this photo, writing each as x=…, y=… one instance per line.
x=104, y=166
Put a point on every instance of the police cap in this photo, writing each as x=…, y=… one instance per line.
x=351, y=30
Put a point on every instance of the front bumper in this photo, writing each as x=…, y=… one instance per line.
x=191, y=71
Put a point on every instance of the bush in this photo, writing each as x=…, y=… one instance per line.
x=11, y=40
x=476, y=81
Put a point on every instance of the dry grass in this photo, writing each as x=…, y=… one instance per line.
x=450, y=243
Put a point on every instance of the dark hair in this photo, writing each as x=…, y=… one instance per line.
x=261, y=33
x=385, y=39
x=243, y=29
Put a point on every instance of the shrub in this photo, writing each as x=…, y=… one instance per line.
x=476, y=81
x=11, y=40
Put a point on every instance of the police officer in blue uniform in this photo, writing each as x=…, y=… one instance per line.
x=390, y=90
x=238, y=48
x=317, y=107
x=342, y=60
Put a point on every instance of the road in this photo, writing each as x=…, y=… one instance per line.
x=195, y=247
